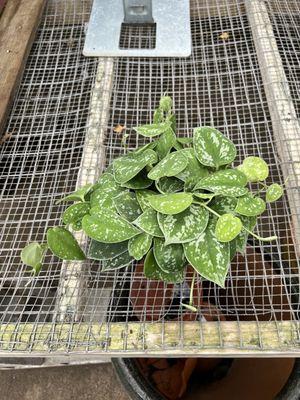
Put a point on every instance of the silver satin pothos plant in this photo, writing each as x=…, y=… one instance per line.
x=174, y=202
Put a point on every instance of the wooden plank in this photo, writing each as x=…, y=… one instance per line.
x=72, y=286
x=18, y=23
x=286, y=126
x=144, y=339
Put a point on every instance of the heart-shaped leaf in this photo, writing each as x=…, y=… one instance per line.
x=75, y=212
x=139, y=245
x=105, y=251
x=228, y=182
x=127, y=167
x=185, y=226
x=148, y=223
x=166, y=103
x=170, y=258
x=152, y=271
x=106, y=189
x=63, y=244
x=173, y=203
x=79, y=195
x=165, y=142
x=143, y=196
x=151, y=130
x=120, y=261
x=250, y=206
x=224, y=205
x=140, y=181
x=274, y=192
x=212, y=148
x=33, y=254
x=255, y=169
x=169, y=185
x=194, y=171
x=127, y=206
x=107, y=226
x=228, y=227
x=208, y=256
x=171, y=165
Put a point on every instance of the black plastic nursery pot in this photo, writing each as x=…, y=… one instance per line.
x=220, y=379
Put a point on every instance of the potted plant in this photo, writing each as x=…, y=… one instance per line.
x=174, y=202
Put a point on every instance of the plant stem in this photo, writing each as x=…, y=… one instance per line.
x=192, y=288
x=266, y=239
x=209, y=209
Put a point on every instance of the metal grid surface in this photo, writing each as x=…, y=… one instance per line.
x=219, y=85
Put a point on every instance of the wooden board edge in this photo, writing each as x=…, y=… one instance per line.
x=16, y=37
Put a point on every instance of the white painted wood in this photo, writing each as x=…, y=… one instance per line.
x=286, y=126
x=72, y=286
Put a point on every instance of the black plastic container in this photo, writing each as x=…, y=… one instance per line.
x=138, y=387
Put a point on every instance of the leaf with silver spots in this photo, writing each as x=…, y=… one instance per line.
x=185, y=226
x=208, y=256
x=212, y=148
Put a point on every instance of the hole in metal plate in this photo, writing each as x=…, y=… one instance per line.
x=137, y=36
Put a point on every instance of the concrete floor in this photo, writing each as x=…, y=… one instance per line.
x=84, y=382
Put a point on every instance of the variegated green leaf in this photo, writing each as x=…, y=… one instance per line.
x=139, y=245
x=169, y=185
x=63, y=244
x=148, y=223
x=255, y=169
x=208, y=256
x=194, y=171
x=143, y=196
x=172, y=203
x=150, y=145
x=106, y=189
x=250, y=206
x=170, y=258
x=228, y=182
x=105, y=251
x=128, y=166
x=165, y=143
x=185, y=226
x=171, y=165
x=223, y=205
x=79, y=195
x=152, y=271
x=120, y=261
x=212, y=148
x=158, y=116
x=228, y=227
x=140, y=181
x=127, y=206
x=107, y=226
x=151, y=130
x=75, y=212
x=166, y=103
x=274, y=192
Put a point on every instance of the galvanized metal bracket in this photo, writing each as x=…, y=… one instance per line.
x=171, y=19
x=138, y=12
